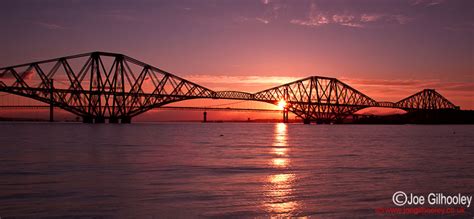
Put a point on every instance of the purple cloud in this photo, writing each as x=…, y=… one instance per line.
x=318, y=17
x=50, y=26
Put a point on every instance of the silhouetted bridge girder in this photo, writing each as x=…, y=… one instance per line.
x=98, y=86
x=180, y=108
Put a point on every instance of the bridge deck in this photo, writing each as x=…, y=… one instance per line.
x=110, y=85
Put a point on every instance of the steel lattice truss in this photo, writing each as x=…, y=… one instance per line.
x=236, y=95
x=99, y=86
x=318, y=98
x=427, y=99
x=102, y=85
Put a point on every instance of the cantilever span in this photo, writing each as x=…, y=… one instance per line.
x=99, y=85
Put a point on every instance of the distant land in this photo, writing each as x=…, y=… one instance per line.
x=421, y=117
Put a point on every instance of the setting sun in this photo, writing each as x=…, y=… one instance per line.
x=282, y=104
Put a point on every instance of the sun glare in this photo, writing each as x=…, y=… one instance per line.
x=282, y=104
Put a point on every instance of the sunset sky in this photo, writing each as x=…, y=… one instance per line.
x=386, y=49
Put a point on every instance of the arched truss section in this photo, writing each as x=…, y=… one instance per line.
x=318, y=98
x=427, y=99
x=99, y=85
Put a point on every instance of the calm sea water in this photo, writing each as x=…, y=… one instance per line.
x=179, y=170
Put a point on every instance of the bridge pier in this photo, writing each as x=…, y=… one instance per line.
x=99, y=120
x=204, y=114
x=319, y=121
x=51, y=112
x=51, y=101
x=126, y=120
x=113, y=120
x=285, y=115
x=306, y=121
x=355, y=118
x=87, y=119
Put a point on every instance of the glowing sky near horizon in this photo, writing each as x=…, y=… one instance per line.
x=386, y=49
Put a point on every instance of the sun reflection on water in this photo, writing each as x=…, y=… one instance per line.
x=279, y=199
x=279, y=151
x=281, y=178
x=280, y=140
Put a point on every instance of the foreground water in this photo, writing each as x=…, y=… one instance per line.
x=179, y=170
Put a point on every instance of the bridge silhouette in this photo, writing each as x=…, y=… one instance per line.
x=101, y=86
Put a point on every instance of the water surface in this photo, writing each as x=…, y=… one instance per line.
x=183, y=170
